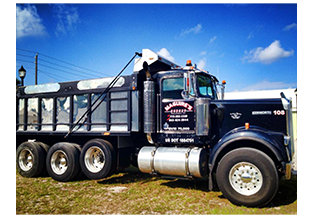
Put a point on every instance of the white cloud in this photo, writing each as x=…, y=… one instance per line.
x=197, y=29
x=255, y=31
x=290, y=27
x=268, y=85
x=201, y=64
x=28, y=22
x=267, y=55
x=213, y=39
x=203, y=53
x=67, y=19
x=251, y=35
x=166, y=54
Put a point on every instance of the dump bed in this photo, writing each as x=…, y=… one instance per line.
x=54, y=108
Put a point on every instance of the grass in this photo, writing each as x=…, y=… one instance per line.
x=132, y=192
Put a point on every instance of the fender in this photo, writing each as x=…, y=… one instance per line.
x=255, y=134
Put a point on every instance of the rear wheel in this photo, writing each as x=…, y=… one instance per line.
x=30, y=159
x=63, y=161
x=248, y=177
x=98, y=159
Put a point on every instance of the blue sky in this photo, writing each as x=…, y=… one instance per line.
x=251, y=46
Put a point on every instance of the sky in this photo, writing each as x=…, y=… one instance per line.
x=251, y=46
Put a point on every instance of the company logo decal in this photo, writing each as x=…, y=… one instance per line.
x=178, y=116
x=235, y=116
x=178, y=104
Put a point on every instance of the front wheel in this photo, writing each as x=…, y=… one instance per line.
x=248, y=177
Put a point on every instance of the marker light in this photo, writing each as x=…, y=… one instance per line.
x=247, y=125
x=224, y=82
x=188, y=63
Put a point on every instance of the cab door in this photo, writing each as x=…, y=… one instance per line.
x=177, y=114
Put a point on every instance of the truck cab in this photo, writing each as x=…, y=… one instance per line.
x=194, y=133
x=183, y=101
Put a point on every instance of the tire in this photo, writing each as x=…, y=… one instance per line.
x=247, y=177
x=63, y=161
x=45, y=149
x=30, y=159
x=98, y=159
x=44, y=146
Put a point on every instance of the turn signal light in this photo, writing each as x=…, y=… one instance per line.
x=247, y=125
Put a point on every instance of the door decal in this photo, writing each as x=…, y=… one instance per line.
x=178, y=115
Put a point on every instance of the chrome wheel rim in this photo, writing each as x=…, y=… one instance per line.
x=59, y=162
x=245, y=178
x=94, y=159
x=25, y=160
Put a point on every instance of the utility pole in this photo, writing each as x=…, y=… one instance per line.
x=36, y=69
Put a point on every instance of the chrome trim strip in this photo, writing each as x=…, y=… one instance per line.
x=287, y=104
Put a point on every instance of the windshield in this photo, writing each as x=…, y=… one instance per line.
x=205, y=86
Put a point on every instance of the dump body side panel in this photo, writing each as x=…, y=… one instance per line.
x=45, y=110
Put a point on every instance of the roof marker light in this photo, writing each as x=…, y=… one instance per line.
x=188, y=63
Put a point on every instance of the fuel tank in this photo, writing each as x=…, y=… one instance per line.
x=187, y=162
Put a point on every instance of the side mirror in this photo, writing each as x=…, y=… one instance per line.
x=223, y=89
x=186, y=92
x=188, y=86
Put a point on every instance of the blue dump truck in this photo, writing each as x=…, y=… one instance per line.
x=165, y=119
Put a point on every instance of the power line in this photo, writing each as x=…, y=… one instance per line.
x=24, y=65
x=66, y=67
x=52, y=75
x=25, y=61
x=64, y=71
x=98, y=74
x=20, y=49
x=24, y=55
x=74, y=65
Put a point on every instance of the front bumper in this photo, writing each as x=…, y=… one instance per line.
x=289, y=139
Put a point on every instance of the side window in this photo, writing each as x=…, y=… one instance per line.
x=205, y=86
x=172, y=88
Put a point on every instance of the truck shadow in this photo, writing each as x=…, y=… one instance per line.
x=134, y=175
x=129, y=175
x=287, y=192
